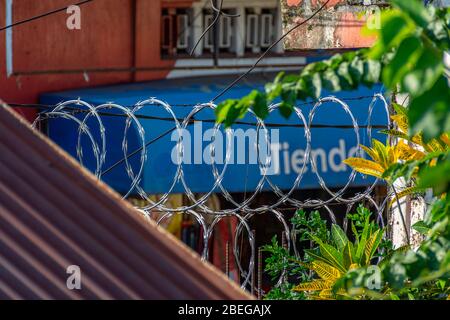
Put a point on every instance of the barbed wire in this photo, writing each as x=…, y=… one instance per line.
x=207, y=217
x=198, y=208
x=50, y=106
x=74, y=111
x=66, y=109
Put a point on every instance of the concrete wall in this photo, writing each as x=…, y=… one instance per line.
x=337, y=26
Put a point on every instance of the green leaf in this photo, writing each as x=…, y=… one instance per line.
x=425, y=72
x=382, y=153
x=339, y=237
x=355, y=232
x=330, y=81
x=300, y=89
x=415, y=10
x=421, y=227
x=285, y=109
x=315, y=256
x=407, y=54
x=348, y=255
x=395, y=27
x=259, y=104
x=437, y=177
x=313, y=85
x=399, y=109
x=356, y=70
x=230, y=110
x=279, y=77
x=372, y=72
x=346, y=81
x=363, y=240
x=289, y=97
x=429, y=113
x=273, y=90
x=372, y=245
x=223, y=109
x=394, y=296
x=330, y=253
x=398, y=170
x=336, y=60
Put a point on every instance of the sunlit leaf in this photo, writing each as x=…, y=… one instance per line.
x=365, y=166
x=314, y=285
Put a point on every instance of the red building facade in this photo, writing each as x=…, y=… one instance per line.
x=125, y=41
x=117, y=38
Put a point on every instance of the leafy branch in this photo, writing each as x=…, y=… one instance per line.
x=408, y=56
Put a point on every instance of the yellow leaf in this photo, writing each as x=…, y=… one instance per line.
x=405, y=192
x=392, y=155
x=365, y=166
x=370, y=152
x=325, y=271
x=445, y=138
x=406, y=152
x=396, y=134
x=369, y=245
x=382, y=152
x=353, y=266
x=326, y=294
x=435, y=146
x=314, y=285
x=417, y=139
x=401, y=121
x=318, y=297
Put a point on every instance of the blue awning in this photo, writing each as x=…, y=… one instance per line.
x=330, y=145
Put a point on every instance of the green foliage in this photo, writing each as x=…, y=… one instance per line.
x=232, y=110
x=310, y=225
x=284, y=292
x=359, y=218
x=331, y=255
x=342, y=268
x=436, y=177
x=280, y=260
x=340, y=256
x=408, y=56
x=414, y=274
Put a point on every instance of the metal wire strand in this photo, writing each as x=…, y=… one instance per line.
x=208, y=216
x=264, y=54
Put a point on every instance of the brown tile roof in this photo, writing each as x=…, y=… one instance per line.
x=53, y=214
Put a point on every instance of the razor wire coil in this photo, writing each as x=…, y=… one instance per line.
x=80, y=112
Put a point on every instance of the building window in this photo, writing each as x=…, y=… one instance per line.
x=254, y=31
x=227, y=33
x=175, y=33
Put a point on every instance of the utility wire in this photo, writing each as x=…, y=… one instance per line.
x=74, y=111
x=194, y=20
x=43, y=15
x=231, y=85
x=218, y=15
x=49, y=106
x=165, y=133
x=216, y=20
